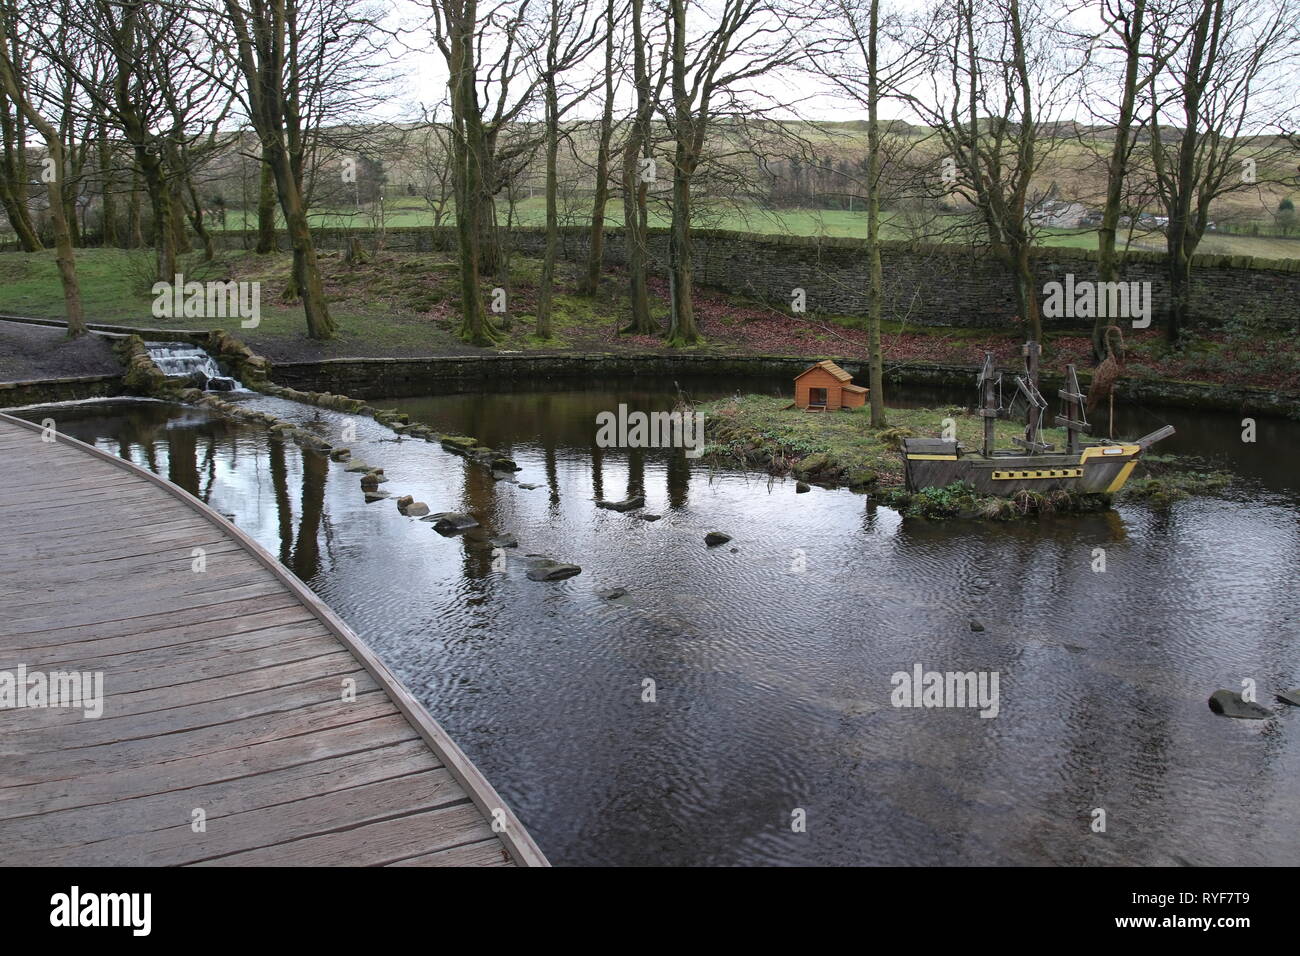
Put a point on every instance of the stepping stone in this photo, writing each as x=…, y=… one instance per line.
x=612, y=594
x=976, y=625
x=358, y=465
x=458, y=443
x=627, y=504
x=340, y=454
x=552, y=571
x=405, y=500
x=714, y=538
x=370, y=482
x=372, y=496
x=449, y=522
x=802, y=486
x=1228, y=703
x=1291, y=697
x=649, y=517
x=416, y=510
x=527, y=487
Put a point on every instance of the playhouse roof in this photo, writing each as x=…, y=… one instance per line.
x=829, y=366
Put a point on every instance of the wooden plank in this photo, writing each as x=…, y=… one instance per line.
x=156, y=736
x=284, y=784
x=278, y=621
x=375, y=844
x=175, y=843
x=153, y=622
x=483, y=853
x=149, y=691
x=223, y=689
x=115, y=785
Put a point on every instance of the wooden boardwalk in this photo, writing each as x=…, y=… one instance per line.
x=223, y=693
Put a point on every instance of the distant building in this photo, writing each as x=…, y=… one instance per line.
x=1059, y=214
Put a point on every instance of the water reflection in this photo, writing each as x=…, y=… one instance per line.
x=773, y=683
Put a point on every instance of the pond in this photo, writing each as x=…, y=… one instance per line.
x=772, y=658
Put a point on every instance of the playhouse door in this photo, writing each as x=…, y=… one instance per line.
x=817, y=396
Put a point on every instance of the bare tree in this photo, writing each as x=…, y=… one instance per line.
x=709, y=71
x=570, y=34
x=19, y=93
x=1000, y=72
x=859, y=73
x=265, y=48
x=604, y=136
x=1222, y=84
x=489, y=86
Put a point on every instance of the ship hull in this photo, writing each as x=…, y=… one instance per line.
x=1095, y=469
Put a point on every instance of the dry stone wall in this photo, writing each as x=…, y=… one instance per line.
x=926, y=285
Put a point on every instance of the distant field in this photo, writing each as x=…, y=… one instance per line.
x=791, y=222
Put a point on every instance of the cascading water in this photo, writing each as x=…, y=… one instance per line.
x=180, y=360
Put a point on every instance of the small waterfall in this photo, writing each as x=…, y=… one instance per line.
x=181, y=360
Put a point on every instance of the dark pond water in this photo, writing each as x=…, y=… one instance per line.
x=772, y=663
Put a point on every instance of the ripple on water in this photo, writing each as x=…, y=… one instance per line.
x=772, y=664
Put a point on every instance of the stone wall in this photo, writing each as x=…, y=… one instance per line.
x=374, y=379
x=927, y=285
x=15, y=394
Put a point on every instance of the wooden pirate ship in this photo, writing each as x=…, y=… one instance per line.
x=1034, y=465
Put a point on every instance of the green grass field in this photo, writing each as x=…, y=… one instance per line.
x=412, y=211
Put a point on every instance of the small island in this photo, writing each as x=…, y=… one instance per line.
x=841, y=449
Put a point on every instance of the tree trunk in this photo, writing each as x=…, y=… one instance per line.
x=13, y=177
x=196, y=220
x=1026, y=300
x=266, y=241
x=1180, y=281
x=634, y=188
x=108, y=201
x=66, y=260
x=596, y=245
x=134, y=224
x=875, y=373
x=306, y=268
x=681, y=328
x=468, y=151
x=63, y=250
x=547, y=285
x=1116, y=174
x=20, y=220
x=634, y=241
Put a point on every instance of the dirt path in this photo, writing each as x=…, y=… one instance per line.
x=30, y=352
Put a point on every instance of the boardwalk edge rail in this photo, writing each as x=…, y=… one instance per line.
x=523, y=849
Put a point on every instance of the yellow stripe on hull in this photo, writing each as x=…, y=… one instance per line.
x=1122, y=477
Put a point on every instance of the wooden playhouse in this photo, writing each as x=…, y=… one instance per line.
x=826, y=387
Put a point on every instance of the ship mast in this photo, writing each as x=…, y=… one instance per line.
x=989, y=407
x=1074, y=420
x=1027, y=384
